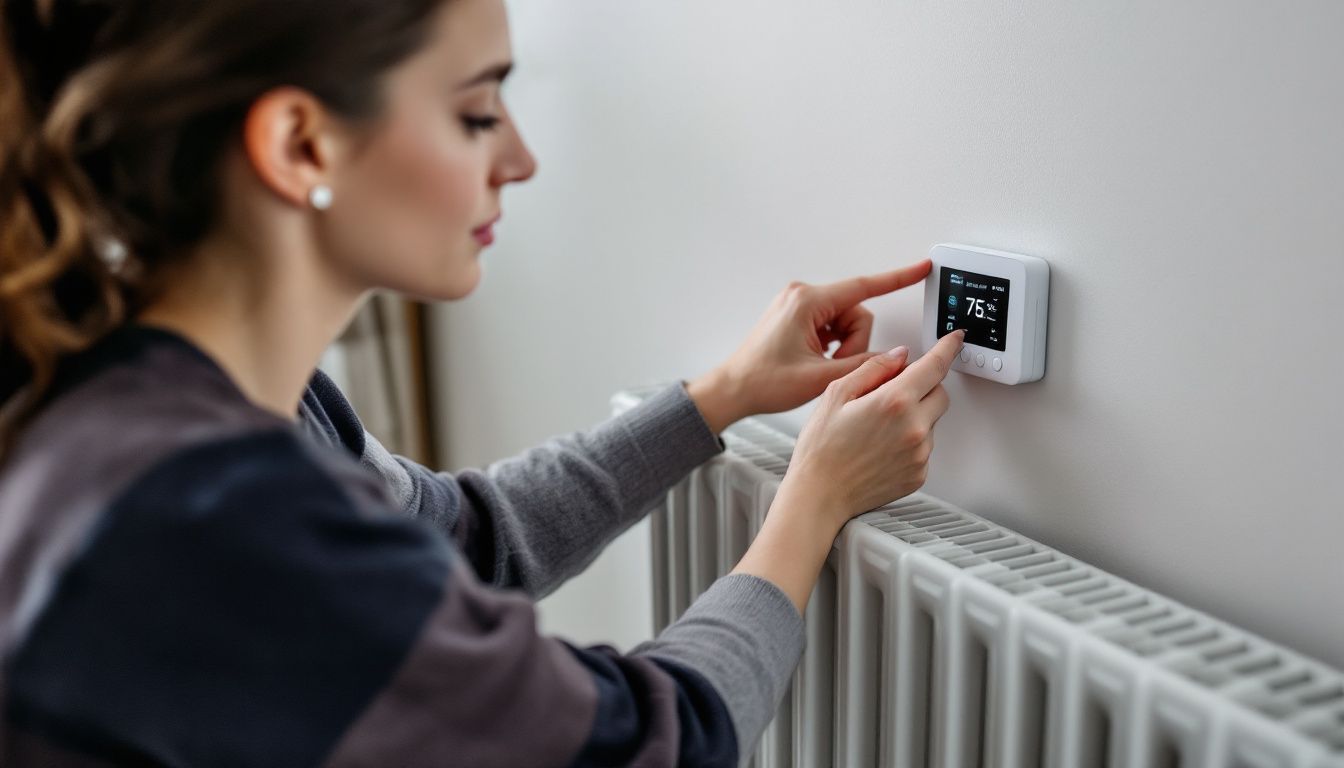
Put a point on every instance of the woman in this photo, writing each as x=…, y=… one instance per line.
x=204, y=560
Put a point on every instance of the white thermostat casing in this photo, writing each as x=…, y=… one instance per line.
x=1001, y=299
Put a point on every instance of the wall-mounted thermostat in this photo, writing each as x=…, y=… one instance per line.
x=1001, y=299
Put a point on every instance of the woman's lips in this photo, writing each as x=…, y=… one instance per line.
x=485, y=234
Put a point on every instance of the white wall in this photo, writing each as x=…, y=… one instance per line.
x=1179, y=165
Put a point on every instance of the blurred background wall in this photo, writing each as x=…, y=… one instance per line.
x=1178, y=164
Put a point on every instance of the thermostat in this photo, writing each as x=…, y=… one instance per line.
x=1001, y=299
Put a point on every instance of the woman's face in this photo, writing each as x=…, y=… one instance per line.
x=412, y=199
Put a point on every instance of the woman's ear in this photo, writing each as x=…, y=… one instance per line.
x=288, y=140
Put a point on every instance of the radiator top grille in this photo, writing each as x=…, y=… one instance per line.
x=1239, y=668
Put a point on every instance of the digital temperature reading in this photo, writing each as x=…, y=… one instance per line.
x=978, y=303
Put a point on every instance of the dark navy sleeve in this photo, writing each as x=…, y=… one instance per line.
x=699, y=728
x=253, y=602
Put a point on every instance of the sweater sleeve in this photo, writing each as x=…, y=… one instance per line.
x=250, y=602
x=535, y=520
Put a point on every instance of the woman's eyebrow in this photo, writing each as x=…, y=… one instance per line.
x=495, y=72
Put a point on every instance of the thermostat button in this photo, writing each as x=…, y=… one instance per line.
x=998, y=363
x=980, y=360
x=965, y=355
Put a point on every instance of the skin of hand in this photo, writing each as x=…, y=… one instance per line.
x=783, y=364
x=868, y=443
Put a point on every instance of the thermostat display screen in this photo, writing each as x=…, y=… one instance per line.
x=978, y=303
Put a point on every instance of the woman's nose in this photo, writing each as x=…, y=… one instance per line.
x=517, y=162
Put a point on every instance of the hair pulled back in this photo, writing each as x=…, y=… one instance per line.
x=114, y=115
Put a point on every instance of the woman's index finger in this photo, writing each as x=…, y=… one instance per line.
x=846, y=293
x=921, y=376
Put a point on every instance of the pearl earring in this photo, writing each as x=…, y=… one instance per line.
x=320, y=197
x=113, y=253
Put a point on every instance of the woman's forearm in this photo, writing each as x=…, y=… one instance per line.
x=793, y=543
x=804, y=518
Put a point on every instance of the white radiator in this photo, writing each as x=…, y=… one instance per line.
x=937, y=638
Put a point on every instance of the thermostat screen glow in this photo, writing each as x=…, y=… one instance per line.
x=978, y=303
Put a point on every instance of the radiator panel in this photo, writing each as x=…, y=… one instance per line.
x=938, y=638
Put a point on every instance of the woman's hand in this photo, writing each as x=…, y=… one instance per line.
x=869, y=440
x=783, y=362
x=867, y=443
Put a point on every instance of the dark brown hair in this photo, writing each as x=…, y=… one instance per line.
x=113, y=118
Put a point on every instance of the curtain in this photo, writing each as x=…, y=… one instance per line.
x=379, y=362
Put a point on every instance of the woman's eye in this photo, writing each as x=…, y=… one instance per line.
x=476, y=123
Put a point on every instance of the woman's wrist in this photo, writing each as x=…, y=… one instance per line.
x=720, y=398
x=793, y=543
x=818, y=500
